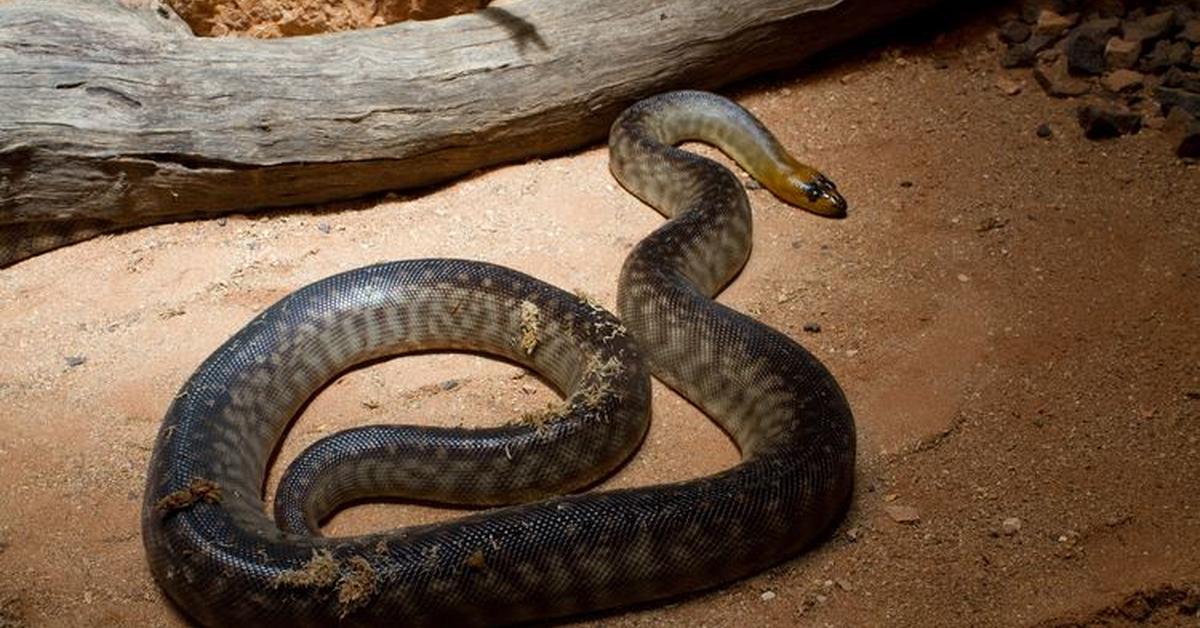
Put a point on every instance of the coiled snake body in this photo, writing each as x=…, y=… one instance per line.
x=214, y=550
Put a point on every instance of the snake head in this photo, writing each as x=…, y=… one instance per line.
x=818, y=195
x=807, y=189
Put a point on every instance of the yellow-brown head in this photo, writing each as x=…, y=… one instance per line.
x=809, y=190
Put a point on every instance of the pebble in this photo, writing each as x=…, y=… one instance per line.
x=1056, y=81
x=1009, y=86
x=1164, y=55
x=1044, y=131
x=323, y=227
x=1010, y=526
x=902, y=514
x=812, y=328
x=1150, y=27
x=1183, y=129
x=449, y=384
x=1174, y=97
x=75, y=360
x=1106, y=120
x=370, y=403
x=1052, y=24
x=1191, y=31
x=963, y=278
x=1123, y=80
x=767, y=596
x=853, y=534
x=1121, y=53
x=1085, y=51
x=844, y=584
x=222, y=221
x=1014, y=32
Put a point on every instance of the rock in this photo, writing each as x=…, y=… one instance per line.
x=1023, y=55
x=1044, y=131
x=323, y=227
x=1085, y=51
x=1119, y=81
x=1107, y=25
x=1183, y=130
x=1109, y=8
x=1010, y=526
x=1149, y=28
x=767, y=596
x=1166, y=54
x=1014, y=32
x=1121, y=53
x=812, y=328
x=449, y=384
x=902, y=514
x=1054, y=78
x=1171, y=97
x=1052, y=24
x=1009, y=86
x=75, y=360
x=1106, y=120
x=1191, y=31
x=1187, y=81
x=1030, y=10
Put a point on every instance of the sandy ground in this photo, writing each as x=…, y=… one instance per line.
x=1014, y=321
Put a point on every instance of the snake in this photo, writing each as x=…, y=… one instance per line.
x=541, y=543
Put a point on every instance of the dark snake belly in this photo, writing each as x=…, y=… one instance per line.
x=214, y=550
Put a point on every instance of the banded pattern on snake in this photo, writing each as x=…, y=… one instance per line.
x=214, y=550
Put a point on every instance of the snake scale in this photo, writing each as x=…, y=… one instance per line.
x=215, y=551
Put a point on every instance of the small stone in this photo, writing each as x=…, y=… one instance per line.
x=1024, y=55
x=1009, y=86
x=449, y=384
x=1172, y=97
x=370, y=403
x=1119, y=81
x=844, y=584
x=75, y=360
x=1085, y=51
x=1165, y=55
x=1044, y=131
x=1056, y=81
x=906, y=184
x=1105, y=120
x=1014, y=32
x=323, y=227
x=902, y=514
x=1149, y=28
x=1183, y=130
x=821, y=599
x=1188, y=81
x=963, y=278
x=853, y=534
x=222, y=221
x=1052, y=24
x=767, y=596
x=1121, y=53
x=1010, y=526
x=1191, y=31
x=812, y=328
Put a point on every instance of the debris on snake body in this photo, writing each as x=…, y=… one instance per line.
x=216, y=553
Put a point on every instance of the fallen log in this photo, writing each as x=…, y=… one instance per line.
x=114, y=116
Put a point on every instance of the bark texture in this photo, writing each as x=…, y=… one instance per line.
x=114, y=116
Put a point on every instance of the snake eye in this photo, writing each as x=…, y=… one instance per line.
x=813, y=193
